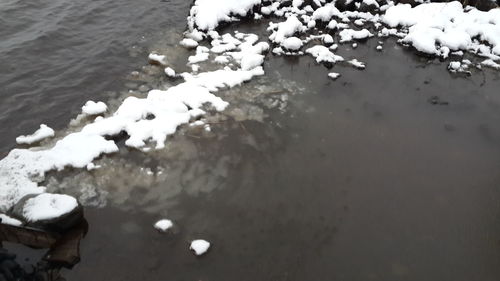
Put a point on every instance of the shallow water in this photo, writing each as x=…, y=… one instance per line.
x=361, y=178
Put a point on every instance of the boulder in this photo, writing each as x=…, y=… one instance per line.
x=64, y=212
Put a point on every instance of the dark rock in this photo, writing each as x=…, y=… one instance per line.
x=346, y=5
x=59, y=224
x=368, y=8
x=413, y=3
x=482, y=5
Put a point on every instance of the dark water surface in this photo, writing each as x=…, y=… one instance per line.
x=361, y=178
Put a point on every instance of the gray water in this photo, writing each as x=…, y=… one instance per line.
x=361, y=178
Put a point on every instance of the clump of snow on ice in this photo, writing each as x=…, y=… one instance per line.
x=285, y=29
x=491, y=63
x=170, y=72
x=42, y=133
x=48, y=206
x=356, y=63
x=323, y=54
x=206, y=15
x=189, y=43
x=157, y=59
x=347, y=35
x=199, y=246
x=334, y=75
x=163, y=225
x=327, y=39
x=201, y=55
x=94, y=108
x=292, y=43
x=434, y=25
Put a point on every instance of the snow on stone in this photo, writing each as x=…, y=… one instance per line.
x=292, y=43
x=347, y=35
x=221, y=59
x=297, y=3
x=48, y=206
x=189, y=43
x=326, y=12
x=206, y=15
x=328, y=39
x=334, y=75
x=434, y=25
x=201, y=55
x=379, y=48
x=251, y=61
x=94, y=108
x=10, y=221
x=356, y=63
x=199, y=246
x=163, y=225
x=169, y=72
x=157, y=59
x=42, y=133
x=323, y=54
x=491, y=63
x=286, y=29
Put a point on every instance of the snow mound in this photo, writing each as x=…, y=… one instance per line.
x=163, y=225
x=94, y=108
x=432, y=26
x=207, y=15
x=40, y=134
x=199, y=246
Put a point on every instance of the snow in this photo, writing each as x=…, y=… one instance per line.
x=94, y=108
x=169, y=72
x=207, y=15
x=491, y=63
x=347, y=35
x=326, y=12
x=292, y=43
x=328, y=39
x=163, y=225
x=199, y=246
x=334, y=75
x=42, y=133
x=356, y=63
x=432, y=26
x=251, y=61
x=323, y=54
x=48, y=206
x=189, y=43
x=286, y=29
x=158, y=59
x=10, y=221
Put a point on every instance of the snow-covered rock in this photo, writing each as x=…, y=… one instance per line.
x=163, y=225
x=42, y=133
x=94, y=108
x=199, y=247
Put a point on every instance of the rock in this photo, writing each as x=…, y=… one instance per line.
x=345, y=5
x=59, y=224
x=199, y=247
x=482, y=5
